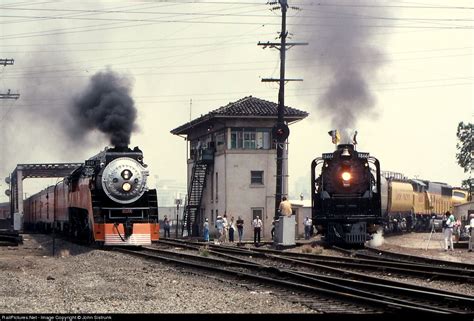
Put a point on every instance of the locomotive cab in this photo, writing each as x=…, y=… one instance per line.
x=346, y=198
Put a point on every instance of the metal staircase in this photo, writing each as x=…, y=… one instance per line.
x=195, y=191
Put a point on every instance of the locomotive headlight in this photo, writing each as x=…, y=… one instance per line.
x=126, y=187
x=346, y=176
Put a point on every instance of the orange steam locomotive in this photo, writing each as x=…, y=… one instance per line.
x=104, y=201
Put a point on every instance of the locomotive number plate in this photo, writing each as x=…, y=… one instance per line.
x=127, y=211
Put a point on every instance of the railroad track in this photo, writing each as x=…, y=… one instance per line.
x=372, y=263
x=414, y=265
x=259, y=276
x=349, y=287
x=10, y=238
x=374, y=253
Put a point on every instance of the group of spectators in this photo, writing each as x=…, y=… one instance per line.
x=225, y=229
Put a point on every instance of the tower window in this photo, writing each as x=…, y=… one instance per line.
x=256, y=177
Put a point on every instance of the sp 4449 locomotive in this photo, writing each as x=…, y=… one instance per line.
x=346, y=197
x=106, y=200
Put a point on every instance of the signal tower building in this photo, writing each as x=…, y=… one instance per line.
x=231, y=164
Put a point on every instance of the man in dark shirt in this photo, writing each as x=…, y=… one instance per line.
x=240, y=228
x=166, y=226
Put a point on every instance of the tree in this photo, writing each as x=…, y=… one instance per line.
x=465, y=149
x=464, y=145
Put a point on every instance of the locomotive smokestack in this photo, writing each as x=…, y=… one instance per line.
x=106, y=105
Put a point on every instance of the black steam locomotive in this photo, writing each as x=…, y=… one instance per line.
x=346, y=195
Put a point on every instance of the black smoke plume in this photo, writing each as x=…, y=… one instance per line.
x=106, y=105
x=343, y=57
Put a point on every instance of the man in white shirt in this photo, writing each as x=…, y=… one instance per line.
x=257, y=227
x=448, y=232
x=226, y=228
x=308, y=225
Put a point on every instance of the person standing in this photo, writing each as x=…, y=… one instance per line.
x=231, y=230
x=226, y=228
x=448, y=231
x=198, y=150
x=206, y=230
x=257, y=228
x=285, y=207
x=471, y=232
x=240, y=228
x=220, y=228
x=166, y=226
x=409, y=223
x=308, y=225
x=273, y=229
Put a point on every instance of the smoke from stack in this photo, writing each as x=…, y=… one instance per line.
x=106, y=105
x=343, y=58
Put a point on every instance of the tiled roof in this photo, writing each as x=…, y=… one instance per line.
x=245, y=107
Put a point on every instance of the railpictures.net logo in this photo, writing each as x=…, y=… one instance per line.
x=55, y=317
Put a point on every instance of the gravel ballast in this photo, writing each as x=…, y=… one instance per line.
x=82, y=280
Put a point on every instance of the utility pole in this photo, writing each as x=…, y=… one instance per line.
x=280, y=130
x=8, y=95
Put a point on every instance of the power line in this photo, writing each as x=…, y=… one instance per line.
x=153, y=21
x=43, y=74
x=337, y=15
x=320, y=4
x=306, y=90
x=89, y=28
x=265, y=94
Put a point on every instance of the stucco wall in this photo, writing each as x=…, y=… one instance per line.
x=235, y=194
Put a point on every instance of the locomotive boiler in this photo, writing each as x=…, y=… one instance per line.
x=106, y=200
x=346, y=196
